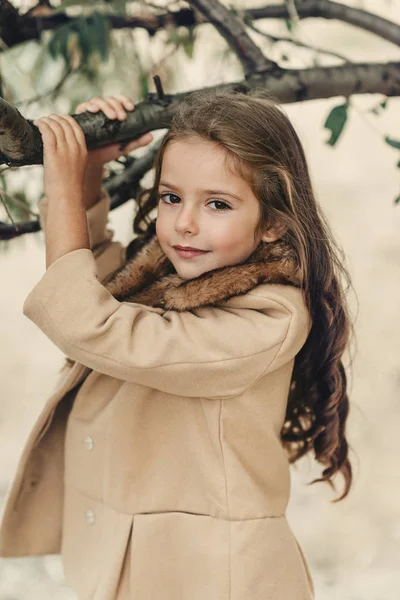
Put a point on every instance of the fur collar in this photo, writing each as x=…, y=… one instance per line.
x=149, y=277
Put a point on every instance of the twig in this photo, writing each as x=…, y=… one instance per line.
x=234, y=32
x=297, y=42
x=17, y=203
x=2, y=195
x=51, y=93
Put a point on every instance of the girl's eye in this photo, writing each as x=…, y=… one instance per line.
x=163, y=197
x=219, y=204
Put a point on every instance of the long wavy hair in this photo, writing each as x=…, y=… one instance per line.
x=263, y=148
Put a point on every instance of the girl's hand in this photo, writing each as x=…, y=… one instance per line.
x=64, y=156
x=114, y=107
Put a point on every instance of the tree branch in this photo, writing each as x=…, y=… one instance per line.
x=16, y=28
x=21, y=142
x=298, y=43
x=299, y=85
x=327, y=9
x=234, y=32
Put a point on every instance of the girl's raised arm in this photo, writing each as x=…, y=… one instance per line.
x=72, y=176
x=64, y=161
x=211, y=352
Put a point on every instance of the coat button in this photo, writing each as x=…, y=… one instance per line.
x=90, y=516
x=88, y=442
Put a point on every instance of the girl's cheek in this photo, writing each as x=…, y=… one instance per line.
x=160, y=227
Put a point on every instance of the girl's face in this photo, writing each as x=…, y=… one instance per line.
x=204, y=206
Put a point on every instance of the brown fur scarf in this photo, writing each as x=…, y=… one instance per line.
x=149, y=277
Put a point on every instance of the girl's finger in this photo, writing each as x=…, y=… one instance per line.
x=77, y=131
x=142, y=141
x=54, y=123
x=146, y=138
x=86, y=106
x=51, y=125
x=104, y=106
x=117, y=105
x=48, y=136
x=70, y=136
x=127, y=102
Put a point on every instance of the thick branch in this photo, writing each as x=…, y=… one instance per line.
x=234, y=32
x=21, y=144
x=15, y=28
x=11, y=24
x=298, y=85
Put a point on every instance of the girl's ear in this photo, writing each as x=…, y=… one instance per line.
x=273, y=233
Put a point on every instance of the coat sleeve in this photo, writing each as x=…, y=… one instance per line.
x=210, y=352
x=109, y=254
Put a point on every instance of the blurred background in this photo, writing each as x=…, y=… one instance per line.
x=353, y=547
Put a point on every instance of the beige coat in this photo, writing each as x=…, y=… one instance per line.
x=156, y=467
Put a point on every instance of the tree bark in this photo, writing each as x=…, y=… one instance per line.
x=21, y=142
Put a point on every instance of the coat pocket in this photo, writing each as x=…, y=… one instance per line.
x=180, y=556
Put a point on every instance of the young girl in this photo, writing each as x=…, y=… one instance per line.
x=206, y=356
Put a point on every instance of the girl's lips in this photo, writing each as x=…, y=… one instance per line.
x=189, y=253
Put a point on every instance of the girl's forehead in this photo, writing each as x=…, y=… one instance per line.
x=204, y=163
x=194, y=146
x=190, y=177
x=197, y=155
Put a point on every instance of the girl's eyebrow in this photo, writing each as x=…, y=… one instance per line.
x=219, y=192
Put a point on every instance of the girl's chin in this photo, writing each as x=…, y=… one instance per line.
x=190, y=271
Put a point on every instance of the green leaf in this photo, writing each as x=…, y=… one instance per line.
x=99, y=34
x=58, y=43
x=3, y=182
x=84, y=41
x=289, y=25
x=185, y=39
x=392, y=142
x=53, y=44
x=397, y=200
x=92, y=36
x=378, y=108
x=336, y=121
x=398, y=165
x=174, y=37
x=188, y=42
x=144, y=86
x=66, y=4
x=120, y=6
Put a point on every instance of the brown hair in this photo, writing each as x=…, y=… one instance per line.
x=264, y=148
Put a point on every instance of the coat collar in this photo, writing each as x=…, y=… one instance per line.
x=149, y=277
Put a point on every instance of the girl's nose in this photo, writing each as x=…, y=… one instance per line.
x=186, y=221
